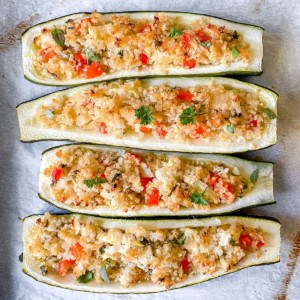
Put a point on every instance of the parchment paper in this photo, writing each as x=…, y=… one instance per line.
x=20, y=162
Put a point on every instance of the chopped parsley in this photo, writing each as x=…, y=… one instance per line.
x=91, y=56
x=180, y=240
x=188, y=116
x=198, y=198
x=235, y=52
x=58, y=36
x=270, y=113
x=49, y=113
x=205, y=44
x=43, y=270
x=144, y=113
x=175, y=32
x=230, y=128
x=87, y=277
x=94, y=181
x=232, y=242
x=254, y=176
x=103, y=274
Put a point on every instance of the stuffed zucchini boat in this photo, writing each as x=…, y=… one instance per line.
x=114, y=182
x=171, y=114
x=87, y=47
x=101, y=255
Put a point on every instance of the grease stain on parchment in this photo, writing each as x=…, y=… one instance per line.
x=8, y=39
x=293, y=256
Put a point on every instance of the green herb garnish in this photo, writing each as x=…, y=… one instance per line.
x=270, y=113
x=94, y=181
x=58, y=36
x=91, y=56
x=235, y=35
x=232, y=242
x=49, y=113
x=144, y=113
x=188, y=116
x=43, y=270
x=230, y=128
x=205, y=44
x=175, y=32
x=103, y=274
x=235, y=52
x=102, y=249
x=254, y=176
x=181, y=240
x=198, y=198
x=87, y=277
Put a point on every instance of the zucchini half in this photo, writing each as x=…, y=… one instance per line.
x=260, y=194
x=271, y=253
x=31, y=131
x=251, y=34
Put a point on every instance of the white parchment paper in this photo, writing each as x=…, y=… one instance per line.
x=20, y=162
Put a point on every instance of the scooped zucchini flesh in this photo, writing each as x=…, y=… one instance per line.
x=139, y=256
x=120, y=182
x=89, y=47
x=181, y=114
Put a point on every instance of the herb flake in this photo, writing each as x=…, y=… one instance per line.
x=49, y=113
x=269, y=113
x=180, y=240
x=94, y=181
x=187, y=116
x=235, y=52
x=230, y=128
x=175, y=32
x=144, y=113
x=198, y=198
x=43, y=270
x=91, y=56
x=254, y=176
x=87, y=277
x=58, y=36
x=205, y=44
x=103, y=274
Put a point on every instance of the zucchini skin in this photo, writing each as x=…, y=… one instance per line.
x=242, y=217
x=242, y=72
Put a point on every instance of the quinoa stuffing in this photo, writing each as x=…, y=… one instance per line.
x=193, y=114
x=93, y=46
x=82, y=247
x=124, y=180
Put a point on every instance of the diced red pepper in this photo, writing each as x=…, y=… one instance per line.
x=185, y=96
x=145, y=129
x=213, y=178
x=189, y=62
x=200, y=130
x=153, y=198
x=77, y=201
x=76, y=250
x=260, y=244
x=93, y=70
x=103, y=128
x=80, y=62
x=245, y=240
x=78, y=28
x=85, y=103
x=185, y=40
x=228, y=187
x=253, y=123
x=161, y=131
x=144, y=59
x=185, y=264
x=65, y=265
x=146, y=27
x=201, y=36
x=56, y=174
x=46, y=54
x=145, y=181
